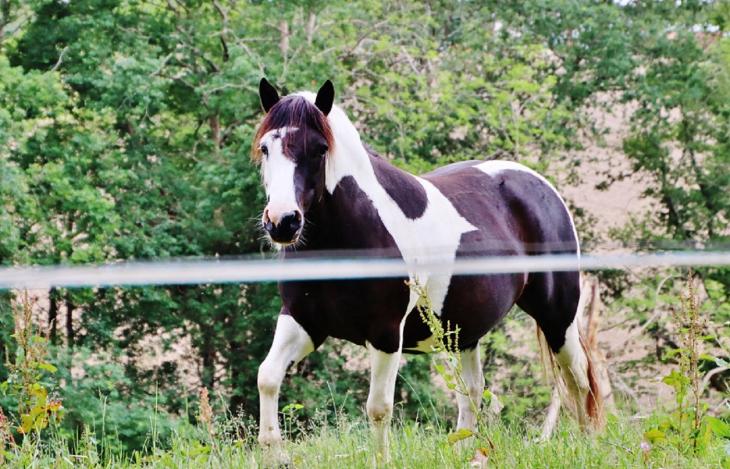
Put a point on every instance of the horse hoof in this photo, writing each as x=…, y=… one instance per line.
x=276, y=459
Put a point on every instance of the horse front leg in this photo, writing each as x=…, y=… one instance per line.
x=473, y=376
x=291, y=344
x=383, y=372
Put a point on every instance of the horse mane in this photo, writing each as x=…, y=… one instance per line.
x=293, y=111
x=370, y=151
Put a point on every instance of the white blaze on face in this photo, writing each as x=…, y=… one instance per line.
x=278, y=174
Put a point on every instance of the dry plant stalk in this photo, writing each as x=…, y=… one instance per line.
x=690, y=325
x=206, y=413
x=33, y=348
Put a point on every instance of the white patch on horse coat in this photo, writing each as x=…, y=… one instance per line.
x=277, y=171
x=291, y=344
x=383, y=373
x=426, y=345
x=434, y=237
x=493, y=167
x=473, y=376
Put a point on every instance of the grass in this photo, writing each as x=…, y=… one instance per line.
x=412, y=446
x=663, y=439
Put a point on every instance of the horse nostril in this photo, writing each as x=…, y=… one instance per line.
x=291, y=221
x=283, y=228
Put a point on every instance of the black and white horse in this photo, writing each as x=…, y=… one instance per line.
x=327, y=191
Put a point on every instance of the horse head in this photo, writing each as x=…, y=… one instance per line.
x=292, y=145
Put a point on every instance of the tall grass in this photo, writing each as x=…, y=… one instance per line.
x=412, y=446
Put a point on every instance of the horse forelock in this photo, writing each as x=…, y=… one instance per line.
x=294, y=111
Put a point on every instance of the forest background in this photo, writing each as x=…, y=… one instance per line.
x=125, y=130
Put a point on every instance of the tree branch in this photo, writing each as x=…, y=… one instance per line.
x=224, y=17
x=60, y=59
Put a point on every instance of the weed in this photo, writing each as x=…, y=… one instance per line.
x=686, y=427
x=289, y=412
x=206, y=413
x=446, y=341
x=6, y=436
x=25, y=379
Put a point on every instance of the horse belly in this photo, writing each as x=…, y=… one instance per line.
x=473, y=304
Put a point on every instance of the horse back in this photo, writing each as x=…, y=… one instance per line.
x=515, y=210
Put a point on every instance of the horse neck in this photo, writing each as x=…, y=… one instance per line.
x=349, y=157
x=339, y=220
x=336, y=221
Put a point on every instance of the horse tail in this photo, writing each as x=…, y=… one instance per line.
x=550, y=367
x=594, y=399
x=593, y=405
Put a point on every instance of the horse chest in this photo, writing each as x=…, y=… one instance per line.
x=355, y=310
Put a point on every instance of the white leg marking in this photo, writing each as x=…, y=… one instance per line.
x=291, y=344
x=473, y=375
x=383, y=372
x=574, y=368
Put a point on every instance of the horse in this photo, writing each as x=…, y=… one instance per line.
x=326, y=190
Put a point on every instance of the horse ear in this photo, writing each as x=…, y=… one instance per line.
x=325, y=97
x=268, y=95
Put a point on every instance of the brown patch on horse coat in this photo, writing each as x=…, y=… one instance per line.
x=403, y=188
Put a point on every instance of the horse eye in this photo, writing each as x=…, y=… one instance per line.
x=264, y=150
x=323, y=151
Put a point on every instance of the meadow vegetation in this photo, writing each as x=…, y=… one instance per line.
x=679, y=435
x=125, y=129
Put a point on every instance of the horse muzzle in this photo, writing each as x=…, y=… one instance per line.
x=285, y=229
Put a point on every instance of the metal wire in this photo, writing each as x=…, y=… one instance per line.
x=207, y=271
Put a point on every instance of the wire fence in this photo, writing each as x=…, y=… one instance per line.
x=221, y=270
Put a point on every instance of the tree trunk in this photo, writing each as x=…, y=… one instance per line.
x=284, y=41
x=69, y=320
x=238, y=401
x=309, y=27
x=215, y=130
x=207, y=376
x=53, y=315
